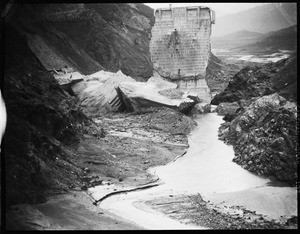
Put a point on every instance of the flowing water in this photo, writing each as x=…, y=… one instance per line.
x=206, y=168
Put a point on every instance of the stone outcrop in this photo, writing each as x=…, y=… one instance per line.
x=264, y=137
x=228, y=110
x=260, y=112
x=219, y=73
x=89, y=37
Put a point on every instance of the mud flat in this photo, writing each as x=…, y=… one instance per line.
x=118, y=161
x=226, y=189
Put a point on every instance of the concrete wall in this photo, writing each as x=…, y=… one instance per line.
x=186, y=48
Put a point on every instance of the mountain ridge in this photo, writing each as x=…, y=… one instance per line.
x=261, y=19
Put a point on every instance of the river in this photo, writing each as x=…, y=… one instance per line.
x=206, y=168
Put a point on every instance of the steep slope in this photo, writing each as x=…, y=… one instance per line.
x=218, y=74
x=235, y=39
x=284, y=39
x=260, y=108
x=42, y=120
x=261, y=19
x=89, y=37
x=257, y=81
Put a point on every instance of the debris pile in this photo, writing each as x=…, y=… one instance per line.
x=264, y=137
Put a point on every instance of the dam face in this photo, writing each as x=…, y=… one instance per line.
x=180, y=45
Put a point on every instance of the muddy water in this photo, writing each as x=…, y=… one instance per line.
x=206, y=168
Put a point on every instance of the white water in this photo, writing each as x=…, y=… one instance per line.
x=207, y=168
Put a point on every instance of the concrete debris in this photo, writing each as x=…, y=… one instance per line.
x=137, y=95
x=97, y=93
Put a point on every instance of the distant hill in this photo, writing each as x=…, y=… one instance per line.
x=238, y=34
x=284, y=39
x=236, y=39
x=261, y=19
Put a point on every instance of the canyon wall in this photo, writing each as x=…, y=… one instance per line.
x=88, y=37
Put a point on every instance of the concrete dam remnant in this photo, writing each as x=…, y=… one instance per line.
x=180, y=46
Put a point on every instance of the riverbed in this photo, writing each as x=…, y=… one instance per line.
x=237, y=56
x=205, y=169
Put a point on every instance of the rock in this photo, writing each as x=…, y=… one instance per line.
x=226, y=108
x=97, y=94
x=207, y=108
x=201, y=108
x=55, y=28
x=42, y=121
x=138, y=95
x=264, y=137
x=69, y=78
x=86, y=169
x=257, y=81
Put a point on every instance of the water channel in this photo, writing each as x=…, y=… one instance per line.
x=206, y=168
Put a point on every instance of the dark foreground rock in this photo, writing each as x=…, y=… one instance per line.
x=89, y=37
x=264, y=137
x=257, y=81
x=42, y=121
x=228, y=109
x=219, y=73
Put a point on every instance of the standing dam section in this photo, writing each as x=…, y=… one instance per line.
x=180, y=46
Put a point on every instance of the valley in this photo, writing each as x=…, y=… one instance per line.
x=100, y=138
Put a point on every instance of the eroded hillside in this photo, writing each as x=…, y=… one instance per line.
x=89, y=37
x=260, y=109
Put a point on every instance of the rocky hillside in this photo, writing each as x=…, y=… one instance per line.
x=260, y=109
x=219, y=73
x=42, y=121
x=284, y=39
x=256, y=81
x=264, y=137
x=89, y=37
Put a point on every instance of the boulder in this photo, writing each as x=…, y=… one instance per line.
x=225, y=108
x=137, y=95
x=97, y=93
x=68, y=78
x=201, y=108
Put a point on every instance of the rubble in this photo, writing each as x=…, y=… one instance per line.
x=257, y=81
x=140, y=95
x=97, y=93
x=193, y=209
x=264, y=137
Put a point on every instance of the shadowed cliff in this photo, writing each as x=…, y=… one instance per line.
x=42, y=120
x=89, y=37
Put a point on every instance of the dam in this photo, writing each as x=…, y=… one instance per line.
x=180, y=46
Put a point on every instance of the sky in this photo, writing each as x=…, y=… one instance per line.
x=220, y=8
